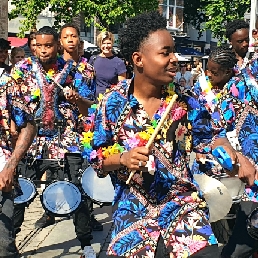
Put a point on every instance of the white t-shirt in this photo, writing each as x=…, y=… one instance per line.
x=187, y=75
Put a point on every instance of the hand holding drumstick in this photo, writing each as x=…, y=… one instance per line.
x=141, y=155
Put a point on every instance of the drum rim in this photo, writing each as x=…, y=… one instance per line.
x=32, y=195
x=78, y=203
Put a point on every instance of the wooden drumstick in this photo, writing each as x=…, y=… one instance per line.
x=156, y=131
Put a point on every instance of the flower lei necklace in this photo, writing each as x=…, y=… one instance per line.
x=211, y=96
x=139, y=139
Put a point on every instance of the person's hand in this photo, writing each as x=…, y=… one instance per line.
x=6, y=180
x=135, y=159
x=200, y=157
x=71, y=95
x=246, y=171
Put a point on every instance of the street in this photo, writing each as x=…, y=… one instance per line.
x=59, y=240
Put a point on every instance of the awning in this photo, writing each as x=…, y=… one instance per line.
x=17, y=42
x=189, y=51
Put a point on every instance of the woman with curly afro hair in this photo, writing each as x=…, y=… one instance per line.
x=159, y=212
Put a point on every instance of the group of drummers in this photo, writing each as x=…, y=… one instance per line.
x=51, y=122
x=51, y=95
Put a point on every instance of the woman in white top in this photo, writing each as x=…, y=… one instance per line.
x=185, y=74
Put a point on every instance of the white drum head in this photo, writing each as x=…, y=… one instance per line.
x=28, y=190
x=98, y=189
x=61, y=198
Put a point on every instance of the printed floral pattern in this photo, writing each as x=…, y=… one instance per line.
x=51, y=110
x=167, y=203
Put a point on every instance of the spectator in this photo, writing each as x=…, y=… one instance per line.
x=109, y=69
x=4, y=47
x=184, y=73
x=17, y=54
x=197, y=71
x=32, y=43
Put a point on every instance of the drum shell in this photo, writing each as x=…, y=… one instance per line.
x=100, y=190
x=235, y=187
x=56, y=188
x=29, y=192
x=252, y=230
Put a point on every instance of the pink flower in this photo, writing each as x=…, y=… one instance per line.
x=154, y=235
x=133, y=142
x=177, y=113
x=234, y=90
x=93, y=155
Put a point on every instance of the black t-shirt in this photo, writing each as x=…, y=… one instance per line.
x=6, y=67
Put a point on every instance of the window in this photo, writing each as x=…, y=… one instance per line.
x=173, y=10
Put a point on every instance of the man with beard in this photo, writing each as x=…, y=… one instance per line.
x=57, y=115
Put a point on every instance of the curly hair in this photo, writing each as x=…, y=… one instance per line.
x=69, y=25
x=47, y=31
x=235, y=25
x=137, y=29
x=224, y=56
x=4, y=44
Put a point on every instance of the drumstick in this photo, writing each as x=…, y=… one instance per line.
x=156, y=131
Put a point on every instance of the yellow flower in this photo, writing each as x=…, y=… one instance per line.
x=100, y=97
x=198, y=238
x=144, y=135
x=87, y=137
x=51, y=72
x=150, y=130
x=81, y=67
x=202, y=204
x=16, y=76
x=106, y=151
x=194, y=196
x=36, y=92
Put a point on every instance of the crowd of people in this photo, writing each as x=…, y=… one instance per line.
x=62, y=111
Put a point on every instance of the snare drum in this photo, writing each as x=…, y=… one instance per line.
x=100, y=190
x=61, y=198
x=29, y=191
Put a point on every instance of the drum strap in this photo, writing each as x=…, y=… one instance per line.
x=121, y=119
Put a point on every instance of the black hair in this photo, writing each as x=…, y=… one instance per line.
x=31, y=37
x=4, y=44
x=235, y=25
x=137, y=29
x=224, y=56
x=47, y=30
x=70, y=25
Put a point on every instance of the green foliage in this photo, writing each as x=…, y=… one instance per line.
x=215, y=14
x=102, y=12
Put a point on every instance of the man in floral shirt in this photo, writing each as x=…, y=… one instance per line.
x=12, y=108
x=157, y=215
x=56, y=112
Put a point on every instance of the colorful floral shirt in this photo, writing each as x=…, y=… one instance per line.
x=54, y=115
x=12, y=107
x=211, y=167
x=239, y=113
x=167, y=202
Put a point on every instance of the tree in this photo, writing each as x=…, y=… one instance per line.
x=214, y=14
x=106, y=11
